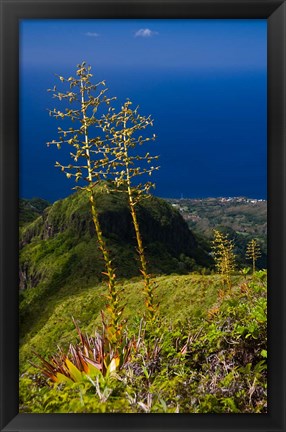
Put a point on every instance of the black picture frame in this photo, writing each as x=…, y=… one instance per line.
x=13, y=11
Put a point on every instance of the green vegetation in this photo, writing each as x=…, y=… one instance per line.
x=242, y=219
x=207, y=350
x=29, y=210
x=195, y=344
x=60, y=247
x=253, y=253
x=206, y=354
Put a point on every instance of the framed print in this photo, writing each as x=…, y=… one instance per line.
x=142, y=215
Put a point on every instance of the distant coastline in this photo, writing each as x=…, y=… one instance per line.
x=222, y=199
x=239, y=199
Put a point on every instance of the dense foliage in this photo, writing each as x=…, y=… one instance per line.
x=210, y=357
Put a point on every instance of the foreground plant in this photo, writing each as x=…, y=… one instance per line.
x=92, y=357
x=126, y=164
x=89, y=165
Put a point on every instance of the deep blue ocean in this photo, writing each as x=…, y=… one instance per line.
x=210, y=127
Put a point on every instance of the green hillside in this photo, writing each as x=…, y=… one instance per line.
x=204, y=352
x=241, y=218
x=30, y=209
x=59, y=248
x=211, y=349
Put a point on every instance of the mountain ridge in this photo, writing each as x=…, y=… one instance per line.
x=59, y=248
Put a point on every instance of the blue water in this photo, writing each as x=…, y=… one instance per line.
x=211, y=129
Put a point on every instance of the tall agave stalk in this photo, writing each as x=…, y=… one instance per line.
x=122, y=128
x=90, y=165
x=223, y=254
x=253, y=253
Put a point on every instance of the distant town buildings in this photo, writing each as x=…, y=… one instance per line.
x=241, y=200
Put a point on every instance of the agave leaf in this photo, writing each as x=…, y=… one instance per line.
x=45, y=364
x=84, y=340
x=83, y=363
x=75, y=373
x=78, y=330
x=113, y=365
x=93, y=371
x=52, y=377
x=92, y=362
x=75, y=357
x=60, y=378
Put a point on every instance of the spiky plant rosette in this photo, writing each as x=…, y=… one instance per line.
x=91, y=356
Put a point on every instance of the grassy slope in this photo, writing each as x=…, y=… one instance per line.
x=59, y=252
x=181, y=297
x=223, y=369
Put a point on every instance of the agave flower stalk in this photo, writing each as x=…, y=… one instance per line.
x=253, y=253
x=223, y=255
x=90, y=165
x=124, y=168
